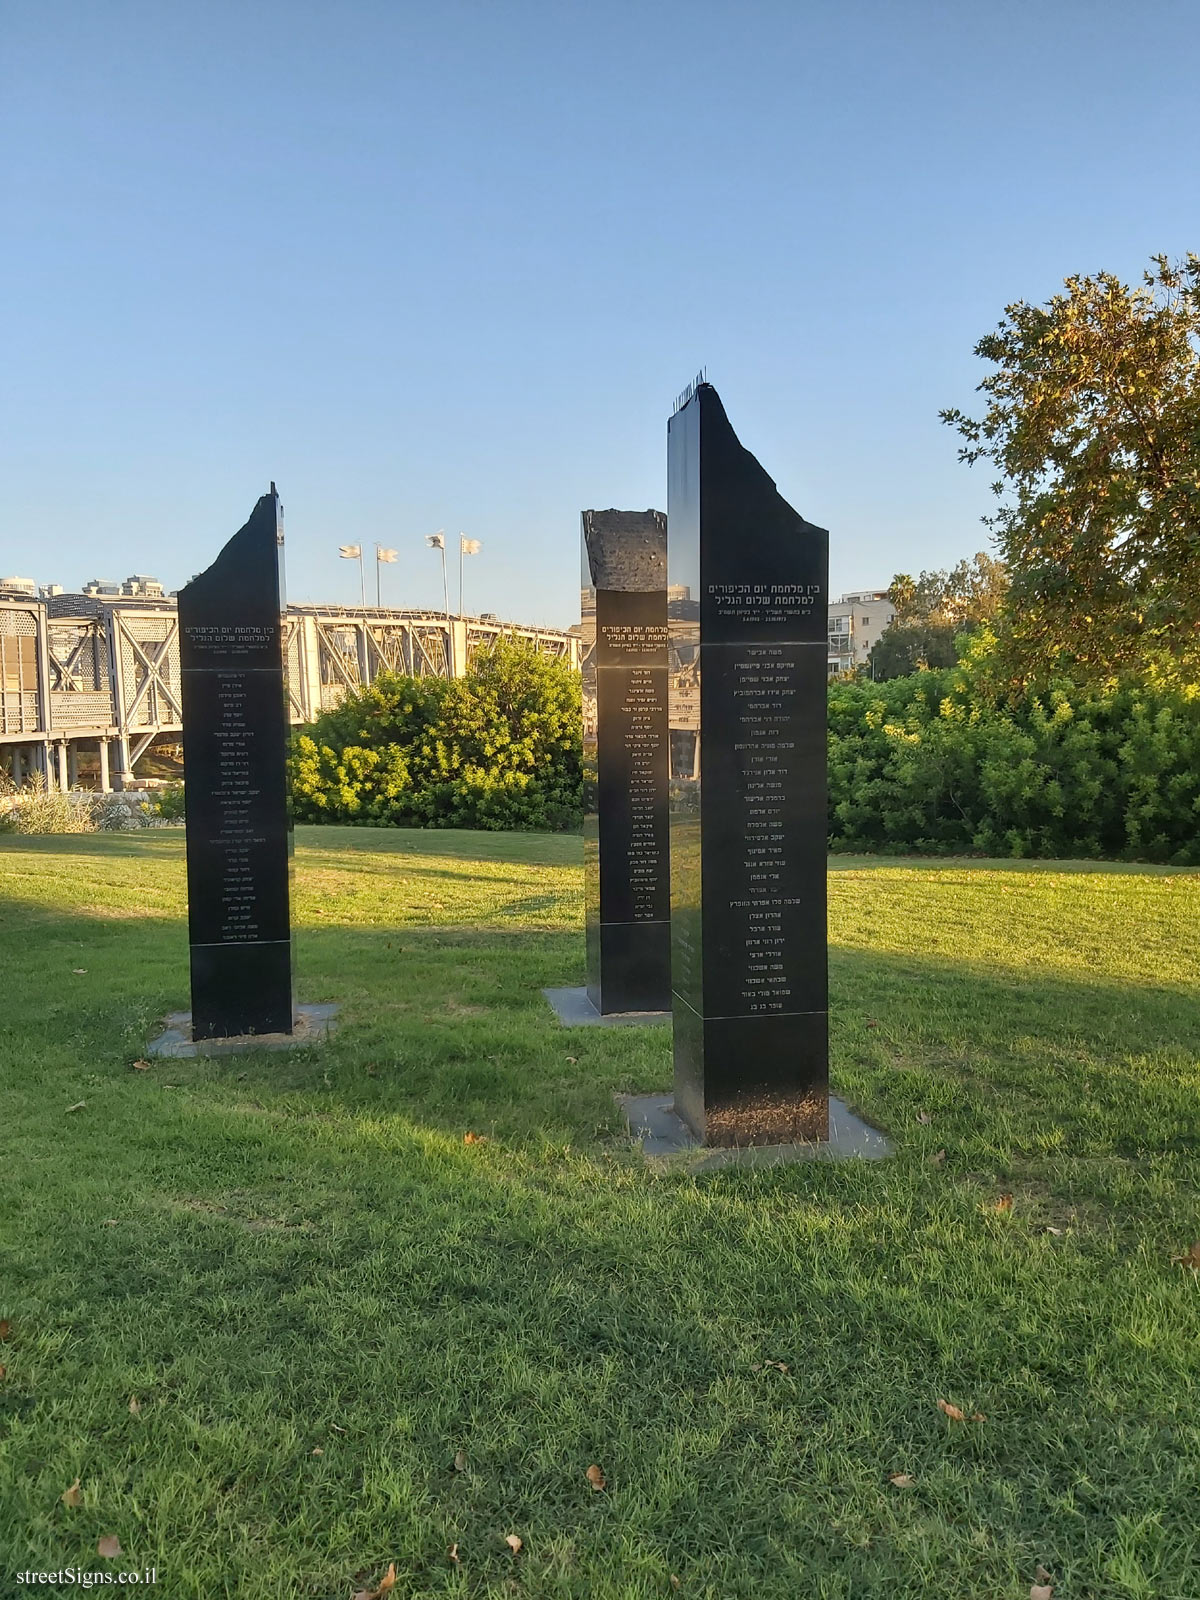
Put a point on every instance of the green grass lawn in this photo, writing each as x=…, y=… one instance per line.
x=320, y=1296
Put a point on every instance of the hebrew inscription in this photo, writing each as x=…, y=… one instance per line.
x=235, y=744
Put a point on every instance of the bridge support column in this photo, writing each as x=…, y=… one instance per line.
x=457, y=662
x=308, y=690
x=63, y=781
x=124, y=764
x=105, y=783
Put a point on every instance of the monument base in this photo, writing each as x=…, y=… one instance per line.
x=653, y=1120
x=574, y=1010
x=311, y=1025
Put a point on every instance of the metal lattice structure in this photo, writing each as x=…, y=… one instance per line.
x=82, y=671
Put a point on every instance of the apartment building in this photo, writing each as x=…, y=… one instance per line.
x=855, y=623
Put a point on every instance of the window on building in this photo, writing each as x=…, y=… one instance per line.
x=866, y=621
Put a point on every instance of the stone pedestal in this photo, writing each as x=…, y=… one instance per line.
x=235, y=737
x=625, y=747
x=748, y=793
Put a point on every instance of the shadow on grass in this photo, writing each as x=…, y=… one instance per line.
x=466, y=844
x=448, y=1025
x=147, y=843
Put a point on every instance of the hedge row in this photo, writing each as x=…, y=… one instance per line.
x=922, y=765
x=498, y=748
x=919, y=765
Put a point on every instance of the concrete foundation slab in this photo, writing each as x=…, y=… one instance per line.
x=313, y=1025
x=574, y=1010
x=652, y=1119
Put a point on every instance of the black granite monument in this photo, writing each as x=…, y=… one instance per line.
x=235, y=732
x=626, y=770
x=748, y=829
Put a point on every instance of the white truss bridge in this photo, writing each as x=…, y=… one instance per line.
x=78, y=672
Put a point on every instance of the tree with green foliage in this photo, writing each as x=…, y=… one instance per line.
x=1093, y=421
x=915, y=646
x=498, y=748
x=934, y=611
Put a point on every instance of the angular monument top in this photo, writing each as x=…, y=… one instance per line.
x=626, y=550
x=758, y=567
x=230, y=613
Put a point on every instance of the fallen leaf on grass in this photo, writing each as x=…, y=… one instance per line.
x=135, y=1405
x=1189, y=1258
x=761, y=1366
x=453, y=1552
x=871, y=1023
x=141, y=1066
x=317, y=1451
x=901, y=1480
x=460, y=1461
x=956, y=1415
x=109, y=1547
x=514, y=1543
x=5, y=1328
x=1043, y=1574
x=574, y=1060
x=78, y=1106
x=386, y=1585
x=79, y=971
x=676, y=1583
x=595, y=1477
x=1057, y=1232
x=938, y=1158
x=924, y=1118
x=3, y=1372
x=336, y=1429
x=474, y=1138
x=1041, y=1591
x=1003, y=1202
x=72, y=1496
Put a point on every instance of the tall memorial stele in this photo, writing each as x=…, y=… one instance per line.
x=748, y=822
x=625, y=749
x=235, y=731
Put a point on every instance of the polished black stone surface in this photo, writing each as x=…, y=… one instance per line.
x=235, y=734
x=624, y=609
x=748, y=828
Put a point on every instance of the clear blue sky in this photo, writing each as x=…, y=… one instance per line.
x=447, y=265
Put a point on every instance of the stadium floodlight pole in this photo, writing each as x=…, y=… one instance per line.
x=381, y=555
x=466, y=547
x=437, y=541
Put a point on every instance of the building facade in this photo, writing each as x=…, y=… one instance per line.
x=855, y=624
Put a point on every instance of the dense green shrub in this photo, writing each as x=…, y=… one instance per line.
x=167, y=803
x=934, y=763
x=927, y=764
x=498, y=748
